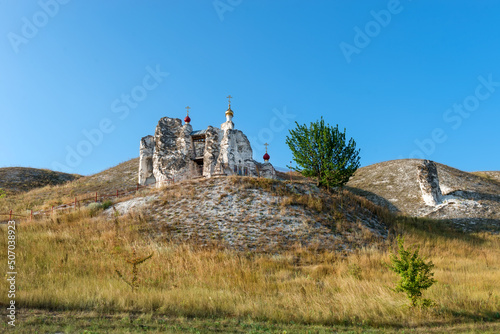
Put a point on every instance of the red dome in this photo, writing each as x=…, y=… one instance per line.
x=266, y=157
x=187, y=119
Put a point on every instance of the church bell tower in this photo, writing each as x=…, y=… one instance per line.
x=228, y=125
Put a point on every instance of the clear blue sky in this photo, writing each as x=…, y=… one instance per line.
x=406, y=78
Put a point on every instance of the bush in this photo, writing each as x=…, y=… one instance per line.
x=415, y=274
x=94, y=208
x=106, y=204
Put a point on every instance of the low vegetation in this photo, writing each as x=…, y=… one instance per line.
x=21, y=179
x=69, y=263
x=42, y=198
x=415, y=274
x=489, y=175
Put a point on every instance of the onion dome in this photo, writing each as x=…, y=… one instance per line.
x=229, y=112
x=266, y=156
x=187, y=119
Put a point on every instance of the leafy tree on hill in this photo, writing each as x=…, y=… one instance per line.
x=321, y=151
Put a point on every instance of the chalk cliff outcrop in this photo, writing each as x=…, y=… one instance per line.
x=174, y=152
x=146, y=175
x=429, y=183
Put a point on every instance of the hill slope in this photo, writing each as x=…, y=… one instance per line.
x=490, y=175
x=17, y=179
x=115, y=178
x=469, y=198
x=257, y=214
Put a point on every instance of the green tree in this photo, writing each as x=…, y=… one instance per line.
x=415, y=274
x=321, y=151
x=2, y=193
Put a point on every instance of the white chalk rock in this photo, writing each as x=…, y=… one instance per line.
x=429, y=183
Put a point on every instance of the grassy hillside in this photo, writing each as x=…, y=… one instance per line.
x=471, y=201
x=20, y=179
x=263, y=215
x=391, y=184
x=70, y=263
x=119, y=177
x=251, y=254
x=490, y=175
x=394, y=184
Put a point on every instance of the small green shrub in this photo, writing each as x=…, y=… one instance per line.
x=415, y=274
x=94, y=208
x=106, y=204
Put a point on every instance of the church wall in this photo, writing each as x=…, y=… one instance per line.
x=236, y=153
x=174, y=150
x=171, y=153
x=212, y=150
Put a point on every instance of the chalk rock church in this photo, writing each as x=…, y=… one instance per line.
x=176, y=152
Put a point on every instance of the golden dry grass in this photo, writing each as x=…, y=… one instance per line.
x=120, y=177
x=69, y=263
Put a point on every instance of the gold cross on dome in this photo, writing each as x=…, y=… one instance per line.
x=266, y=145
x=229, y=97
x=187, y=110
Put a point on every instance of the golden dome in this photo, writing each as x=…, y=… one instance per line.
x=229, y=112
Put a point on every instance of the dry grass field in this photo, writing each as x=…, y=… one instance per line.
x=74, y=274
x=69, y=263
